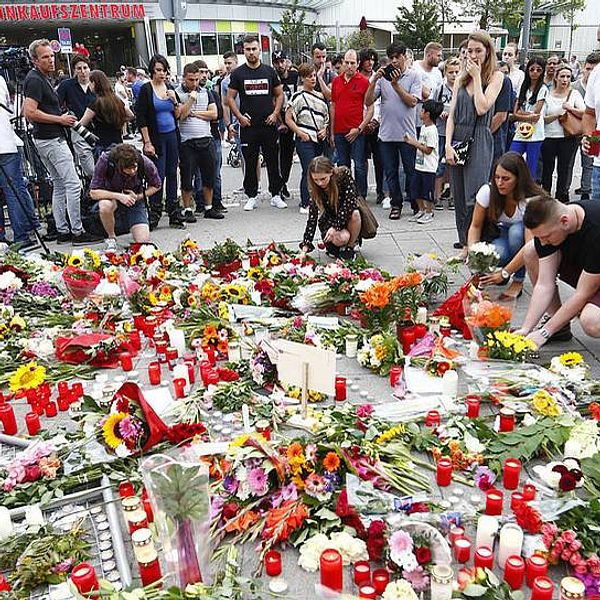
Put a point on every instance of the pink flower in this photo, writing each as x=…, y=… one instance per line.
x=549, y=529
x=417, y=578
x=559, y=546
x=566, y=554
x=364, y=410
x=568, y=536
x=575, y=559
x=553, y=557
x=400, y=543
x=258, y=481
x=581, y=569
x=593, y=563
x=576, y=545
x=547, y=539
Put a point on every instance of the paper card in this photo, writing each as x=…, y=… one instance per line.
x=321, y=366
x=405, y=409
x=420, y=382
x=241, y=312
x=209, y=448
x=323, y=322
x=160, y=401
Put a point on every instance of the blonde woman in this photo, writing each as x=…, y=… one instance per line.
x=470, y=116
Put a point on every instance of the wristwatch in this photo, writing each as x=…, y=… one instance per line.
x=505, y=275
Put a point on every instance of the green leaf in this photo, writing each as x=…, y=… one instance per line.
x=474, y=590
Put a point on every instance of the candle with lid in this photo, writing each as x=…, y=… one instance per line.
x=487, y=528
x=507, y=420
x=442, y=577
x=381, y=577
x=273, y=563
x=146, y=556
x=572, y=588
x=473, y=403
x=84, y=578
x=135, y=515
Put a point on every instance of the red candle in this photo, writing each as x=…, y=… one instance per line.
x=161, y=347
x=254, y=257
x=514, y=572
x=543, y=588
x=537, y=566
x=507, y=420
x=33, y=423
x=493, y=502
x=512, y=473
x=51, y=409
x=529, y=491
x=7, y=416
x=484, y=558
x=433, y=419
x=455, y=534
x=126, y=361
x=340, y=389
x=38, y=409
x=63, y=388
x=126, y=489
x=473, y=403
x=331, y=570
x=191, y=369
x=273, y=563
x=420, y=330
x=444, y=472
x=4, y=585
x=462, y=550
x=64, y=402
x=149, y=572
x=147, y=506
x=138, y=321
x=135, y=340
x=367, y=591
x=77, y=390
x=154, y=374
x=84, y=578
x=381, y=578
x=212, y=378
x=210, y=355
x=516, y=500
x=263, y=428
x=205, y=368
x=395, y=375
x=409, y=337
x=171, y=355
x=179, y=386
x=362, y=572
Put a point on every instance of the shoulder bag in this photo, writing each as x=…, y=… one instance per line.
x=572, y=124
x=368, y=222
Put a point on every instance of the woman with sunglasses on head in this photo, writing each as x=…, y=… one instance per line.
x=528, y=114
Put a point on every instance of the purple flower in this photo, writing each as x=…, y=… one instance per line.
x=230, y=484
x=42, y=288
x=63, y=566
x=484, y=478
x=130, y=429
x=332, y=480
x=364, y=410
x=287, y=492
x=257, y=480
x=417, y=578
x=216, y=506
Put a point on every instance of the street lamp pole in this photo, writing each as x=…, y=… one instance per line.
x=528, y=8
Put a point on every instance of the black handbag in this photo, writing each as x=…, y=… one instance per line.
x=463, y=149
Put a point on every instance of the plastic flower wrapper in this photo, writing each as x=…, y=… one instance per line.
x=482, y=258
x=312, y=297
x=570, y=365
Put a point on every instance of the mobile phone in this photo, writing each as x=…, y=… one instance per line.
x=388, y=71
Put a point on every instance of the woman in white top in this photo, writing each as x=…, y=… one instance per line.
x=498, y=218
x=510, y=57
x=558, y=147
x=528, y=114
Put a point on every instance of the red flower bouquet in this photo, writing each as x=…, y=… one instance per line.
x=80, y=282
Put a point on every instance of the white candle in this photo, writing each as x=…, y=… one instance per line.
x=421, y=315
x=34, y=516
x=177, y=340
x=572, y=449
x=6, y=526
x=234, y=351
x=351, y=346
x=180, y=371
x=450, y=384
x=246, y=418
x=487, y=527
x=511, y=542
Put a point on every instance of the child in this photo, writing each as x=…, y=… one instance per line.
x=426, y=163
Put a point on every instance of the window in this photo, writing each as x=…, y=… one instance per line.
x=209, y=44
x=192, y=44
x=170, y=38
x=225, y=44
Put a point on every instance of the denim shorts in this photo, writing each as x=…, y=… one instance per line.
x=128, y=216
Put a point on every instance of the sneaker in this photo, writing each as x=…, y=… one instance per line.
x=450, y=204
x=199, y=210
x=218, y=206
x=304, y=210
x=425, y=218
x=110, y=245
x=457, y=246
x=213, y=213
x=386, y=204
x=63, y=238
x=445, y=194
x=251, y=204
x=188, y=216
x=277, y=202
x=347, y=253
x=285, y=193
x=439, y=204
x=85, y=238
x=584, y=196
x=175, y=221
x=416, y=217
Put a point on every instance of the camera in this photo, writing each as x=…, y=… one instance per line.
x=85, y=133
x=388, y=72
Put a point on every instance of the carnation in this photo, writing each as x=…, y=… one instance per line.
x=399, y=590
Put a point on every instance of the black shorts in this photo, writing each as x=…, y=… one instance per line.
x=423, y=184
x=193, y=155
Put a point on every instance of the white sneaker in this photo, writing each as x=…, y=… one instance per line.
x=110, y=245
x=415, y=217
x=304, y=210
x=251, y=204
x=425, y=218
x=278, y=202
x=387, y=203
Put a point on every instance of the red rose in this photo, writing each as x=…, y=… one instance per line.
x=423, y=555
x=567, y=482
x=230, y=510
x=32, y=473
x=227, y=374
x=375, y=548
x=528, y=518
x=418, y=507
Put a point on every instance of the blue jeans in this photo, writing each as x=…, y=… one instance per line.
x=217, y=183
x=355, y=151
x=595, y=183
x=20, y=206
x=306, y=152
x=532, y=150
x=166, y=163
x=511, y=240
x=392, y=153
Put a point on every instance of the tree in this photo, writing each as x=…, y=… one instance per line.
x=296, y=36
x=360, y=39
x=489, y=12
x=419, y=25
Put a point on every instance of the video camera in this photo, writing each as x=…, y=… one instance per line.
x=15, y=63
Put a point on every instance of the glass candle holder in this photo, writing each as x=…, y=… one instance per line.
x=331, y=570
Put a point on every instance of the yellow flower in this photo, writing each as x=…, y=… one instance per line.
x=111, y=437
x=27, y=377
x=256, y=273
x=223, y=311
x=545, y=404
x=570, y=359
x=75, y=261
x=3, y=331
x=152, y=299
x=391, y=433
x=18, y=323
x=93, y=257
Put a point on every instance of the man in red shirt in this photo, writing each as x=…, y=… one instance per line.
x=350, y=117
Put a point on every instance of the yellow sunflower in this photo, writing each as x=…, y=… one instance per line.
x=109, y=430
x=27, y=377
x=3, y=331
x=570, y=359
x=256, y=273
x=93, y=257
x=75, y=261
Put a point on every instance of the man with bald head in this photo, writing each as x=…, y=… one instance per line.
x=350, y=118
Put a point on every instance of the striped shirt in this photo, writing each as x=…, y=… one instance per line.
x=310, y=111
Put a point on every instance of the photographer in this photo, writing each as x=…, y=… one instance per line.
x=42, y=108
x=18, y=201
x=119, y=186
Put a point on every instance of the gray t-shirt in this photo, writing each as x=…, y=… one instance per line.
x=192, y=127
x=397, y=118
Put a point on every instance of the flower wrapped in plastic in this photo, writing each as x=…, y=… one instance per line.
x=484, y=315
x=80, y=283
x=482, y=258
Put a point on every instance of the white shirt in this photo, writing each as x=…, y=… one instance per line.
x=9, y=140
x=554, y=107
x=516, y=77
x=121, y=92
x=483, y=199
x=432, y=79
x=592, y=100
x=538, y=127
x=428, y=163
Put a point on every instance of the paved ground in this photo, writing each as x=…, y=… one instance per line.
x=395, y=240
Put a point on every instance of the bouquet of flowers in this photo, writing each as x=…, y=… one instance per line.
x=483, y=583
x=39, y=461
x=594, y=141
x=224, y=257
x=80, y=283
x=379, y=353
x=484, y=316
x=570, y=365
x=482, y=258
x=433, y=269
x=505, y=345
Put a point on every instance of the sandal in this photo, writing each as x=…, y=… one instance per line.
x=395, y=213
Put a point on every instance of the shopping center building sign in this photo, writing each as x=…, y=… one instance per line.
x=72, y=11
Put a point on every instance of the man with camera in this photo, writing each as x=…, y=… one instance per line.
x=119, y=186
x=42, y=108
x=75, y=96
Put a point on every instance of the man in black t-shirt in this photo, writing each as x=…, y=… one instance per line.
x=42, y=108
x=289, y=82
x=261, y=101
x=567, y=244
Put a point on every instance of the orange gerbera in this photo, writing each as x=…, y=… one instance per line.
x=210, y=335
x=595, y=411
x=331, y=462
x=295, y=451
